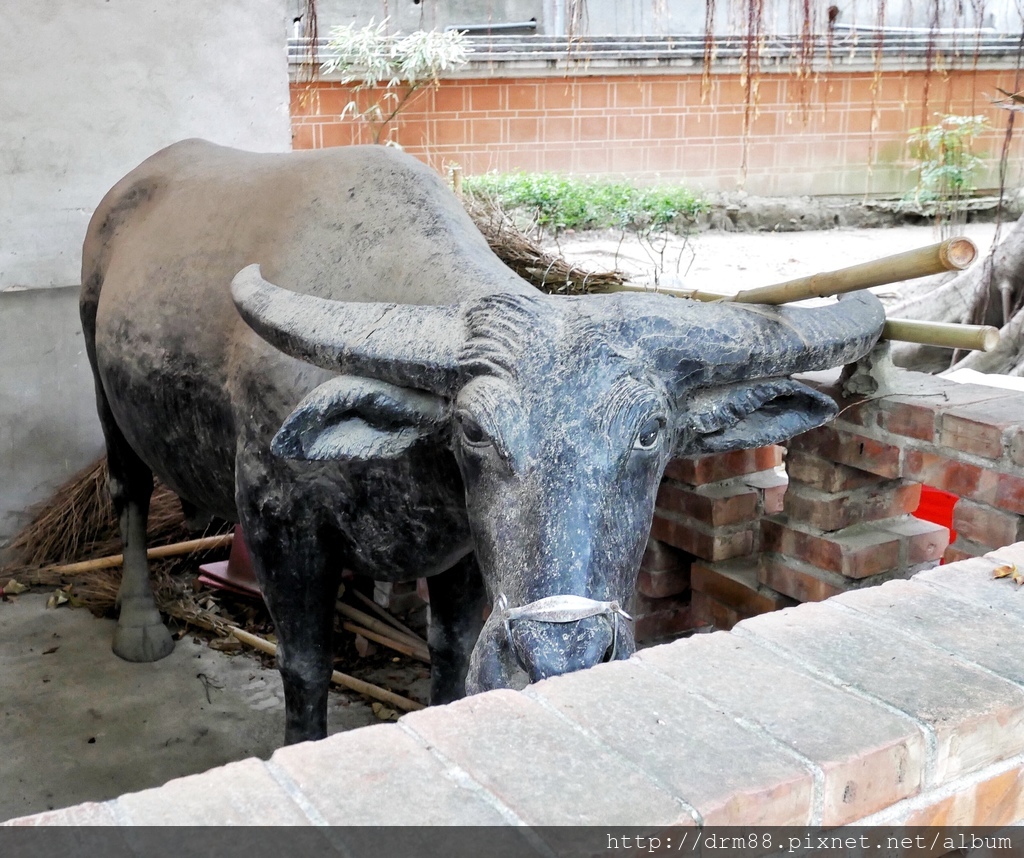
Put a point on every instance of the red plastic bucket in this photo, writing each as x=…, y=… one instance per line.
x=937, y=507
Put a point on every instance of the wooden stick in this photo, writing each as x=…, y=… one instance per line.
x=173, y=550
x=390, y=643
x=953, y=254
x=982, y=338
x=380, y=628
x=388, y=617
x=337, y=677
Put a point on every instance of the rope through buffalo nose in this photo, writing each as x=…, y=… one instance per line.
x=560, y=609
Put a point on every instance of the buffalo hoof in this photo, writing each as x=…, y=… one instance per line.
x=141, y=635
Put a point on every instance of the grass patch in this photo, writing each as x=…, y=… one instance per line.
x=557, y=202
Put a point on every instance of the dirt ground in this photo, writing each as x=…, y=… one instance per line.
x=730, y=261
x=79, y=724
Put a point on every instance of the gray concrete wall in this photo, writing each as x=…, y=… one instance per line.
x=48, y=426
x=406, y=15
x=645, y=17
x=88, y=89
x=674, y=17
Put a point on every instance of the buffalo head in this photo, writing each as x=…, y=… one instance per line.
x=562, y=414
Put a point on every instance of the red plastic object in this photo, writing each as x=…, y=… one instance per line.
x=235, y=573
x=937, y=507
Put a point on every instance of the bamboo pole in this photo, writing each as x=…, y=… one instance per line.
x=377, y=626
x=982, y=338
x=337, y=677
x=175, y=549
x=387, y=617
x=953, y=254
x=389, y=642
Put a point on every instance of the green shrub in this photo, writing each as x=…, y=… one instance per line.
x=557, y=202
x=947, y=167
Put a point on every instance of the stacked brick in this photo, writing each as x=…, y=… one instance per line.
x=843, y=527
x=707, y=532
x=730, y=541
x=961, y=438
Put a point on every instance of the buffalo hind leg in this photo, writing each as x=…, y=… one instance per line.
x=141, y=634
x=300, y=586
x=457, y=601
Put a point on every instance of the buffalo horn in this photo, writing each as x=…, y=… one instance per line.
x=404, y=344
x=727, y=342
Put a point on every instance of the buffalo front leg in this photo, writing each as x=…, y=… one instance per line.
x=300, y=587
x=457, y=601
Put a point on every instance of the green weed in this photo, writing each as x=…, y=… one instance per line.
x=557, y=202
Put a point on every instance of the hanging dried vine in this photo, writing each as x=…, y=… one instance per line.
x=750, y=76
x=709, y=49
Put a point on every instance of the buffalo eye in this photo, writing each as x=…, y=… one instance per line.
x=650, y=432
x=472, y=433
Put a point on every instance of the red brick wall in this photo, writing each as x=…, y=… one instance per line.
x=844, y=133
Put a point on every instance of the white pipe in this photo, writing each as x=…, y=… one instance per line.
x=559, y=22
x=941, y=31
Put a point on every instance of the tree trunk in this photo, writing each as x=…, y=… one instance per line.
x=989, y=293
x=1004, y=359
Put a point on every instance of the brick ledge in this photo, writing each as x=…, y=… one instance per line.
x=900, y=704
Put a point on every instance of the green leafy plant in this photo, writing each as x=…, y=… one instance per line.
x=556, y=202
x=947, y=165
x=390, y=69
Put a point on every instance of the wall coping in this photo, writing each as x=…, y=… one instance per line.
x=541, y=56
x=898, y=704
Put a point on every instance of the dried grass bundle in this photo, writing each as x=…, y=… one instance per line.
x=548, y=272
x=78, y=523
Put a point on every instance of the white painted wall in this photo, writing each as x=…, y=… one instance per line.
x=88, y=89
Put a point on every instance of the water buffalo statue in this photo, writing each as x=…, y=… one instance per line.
x=401, y=404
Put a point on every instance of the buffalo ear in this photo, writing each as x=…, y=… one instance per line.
x=349, y=418
x=750, y=414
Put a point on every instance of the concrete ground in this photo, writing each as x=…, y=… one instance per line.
x=77, y=723
x=730, y=261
